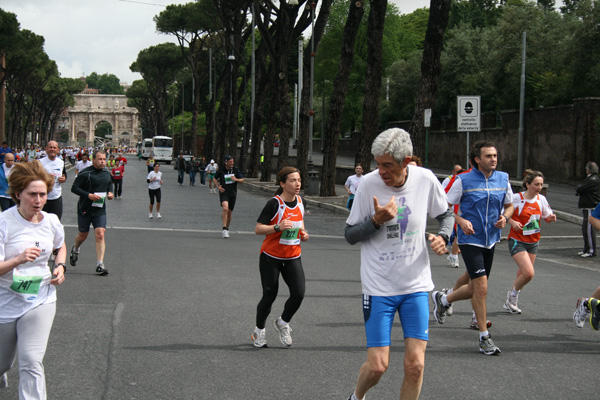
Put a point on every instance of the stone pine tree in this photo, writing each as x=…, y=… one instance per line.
x=373, y=78
x=337, y=102
x=191, y=24
x=439, y=12
x=304, y=117
x=278, y=35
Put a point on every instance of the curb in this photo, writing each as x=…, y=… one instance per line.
x=269, y=187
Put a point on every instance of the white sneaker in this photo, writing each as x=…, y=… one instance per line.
x=581, y=313
x=3, y=381
x=225, y=233
x=284, y=333
x=510, y=304
x=150, y=216
x=158, y=215
x=450, y=309
x=259, y=338
x=453, y=261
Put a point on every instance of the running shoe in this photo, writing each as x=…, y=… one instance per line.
x=453, y=261
x=487, y=347
x=150, y=216
x=581, y=313
x=586, y=255
x=475, y=326
x=284, y=333
x=510, y=304
x=259, y=338
x=580, y=253
x=439, y=310
x=450, y=309
x=3, y=381
x=225, y=233
x=158, y=215
x=593, y=305
x=74, y=256
x=100, y=270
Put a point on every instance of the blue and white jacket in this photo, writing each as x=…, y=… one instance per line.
x=3, y=182
x=481, y=203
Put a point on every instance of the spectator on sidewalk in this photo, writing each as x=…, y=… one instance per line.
x=589, y=197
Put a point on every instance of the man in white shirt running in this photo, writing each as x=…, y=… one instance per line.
x=55, y=167
x=83, y=164
x=389, y=218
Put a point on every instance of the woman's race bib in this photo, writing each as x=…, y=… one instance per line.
x=290, y=236
x=533, y=225
x=26, y=286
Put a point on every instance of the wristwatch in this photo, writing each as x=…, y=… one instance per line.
x=277, y=228
x=64, y=267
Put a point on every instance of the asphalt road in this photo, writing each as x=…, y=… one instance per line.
x=173, y=318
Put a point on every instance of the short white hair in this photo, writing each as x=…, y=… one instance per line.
x=395, y=142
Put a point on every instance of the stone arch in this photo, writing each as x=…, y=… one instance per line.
x=90, y=110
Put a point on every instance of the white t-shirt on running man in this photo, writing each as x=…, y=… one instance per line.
x=395, y=259
x=17, y=234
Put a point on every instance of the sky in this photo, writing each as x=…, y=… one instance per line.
x=104, y=36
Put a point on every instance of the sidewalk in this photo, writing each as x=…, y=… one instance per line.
x=561, y=196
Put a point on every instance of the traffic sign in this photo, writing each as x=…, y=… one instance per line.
x=468, y=114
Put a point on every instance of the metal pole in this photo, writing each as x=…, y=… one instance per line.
x=182, y=100
x=253, y=72
x=311, y=113
x=521, y=112
x=300, y=82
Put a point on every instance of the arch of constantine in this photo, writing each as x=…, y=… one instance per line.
x=91, y=109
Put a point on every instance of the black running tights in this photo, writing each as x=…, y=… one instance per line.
x=293, y=276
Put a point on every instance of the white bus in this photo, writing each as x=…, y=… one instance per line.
x=160, y=146
x=146, y=148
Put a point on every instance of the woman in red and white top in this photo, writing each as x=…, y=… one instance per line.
x=524, y=236
x=282, y=221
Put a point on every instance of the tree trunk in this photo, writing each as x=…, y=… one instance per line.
x=304, y=118
x=439, y=12
x=267, y=169
x=337, y=102
x=372, y=81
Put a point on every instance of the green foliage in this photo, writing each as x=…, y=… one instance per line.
x=107, y=83
x=476, y=13
x=102, y=129
x=159, y=65
x=9, y=27
x=174, y=125
x=403, y=35
x=404, y=85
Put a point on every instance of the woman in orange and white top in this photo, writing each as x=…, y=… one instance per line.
x=282, y=221
x=524, y=236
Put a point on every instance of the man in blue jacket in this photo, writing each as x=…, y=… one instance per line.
x=484, y=196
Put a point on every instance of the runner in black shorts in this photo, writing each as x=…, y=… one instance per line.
x=154, y=180
x=226, y=181
x=94, y=186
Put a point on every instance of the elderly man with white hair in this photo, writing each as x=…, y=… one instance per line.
x=389, y=218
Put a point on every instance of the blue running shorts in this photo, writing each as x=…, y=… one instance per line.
x=379, y=312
